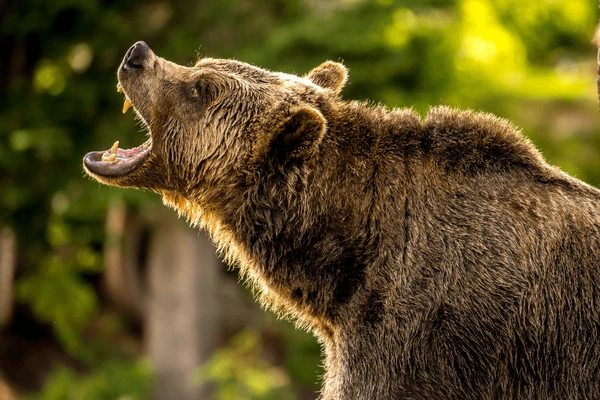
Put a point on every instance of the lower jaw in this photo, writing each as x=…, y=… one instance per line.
x=117, y=162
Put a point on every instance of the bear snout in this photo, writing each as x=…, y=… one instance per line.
x=137, y=56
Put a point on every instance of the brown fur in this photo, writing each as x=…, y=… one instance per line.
x=435, y=258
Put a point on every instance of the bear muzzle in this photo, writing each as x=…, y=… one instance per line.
x=116, y=162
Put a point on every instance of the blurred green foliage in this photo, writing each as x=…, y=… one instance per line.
x=530, y=62
x=111, y=380
x=239, y=373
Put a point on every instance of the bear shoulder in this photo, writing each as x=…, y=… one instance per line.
x=465, y=141
x=454, y=142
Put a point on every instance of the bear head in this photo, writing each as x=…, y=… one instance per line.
x=211, y=123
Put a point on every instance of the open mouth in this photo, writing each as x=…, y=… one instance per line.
x=116, y=161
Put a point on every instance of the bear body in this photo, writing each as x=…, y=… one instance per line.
x=434, y=258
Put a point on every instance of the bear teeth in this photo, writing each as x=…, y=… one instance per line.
x=111, y=155
x=109, y=158
x=126, y=105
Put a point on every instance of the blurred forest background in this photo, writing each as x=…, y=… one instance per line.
x=104, y=293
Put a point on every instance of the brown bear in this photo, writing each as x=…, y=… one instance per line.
x=434, y=258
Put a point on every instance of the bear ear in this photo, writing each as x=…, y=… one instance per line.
x=329, y=75
x=299, y=136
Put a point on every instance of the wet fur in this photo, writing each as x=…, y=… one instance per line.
x=434, y=258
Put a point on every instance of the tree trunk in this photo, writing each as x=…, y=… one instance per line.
x=182, y=319
x=7, y=273
x=122, y=248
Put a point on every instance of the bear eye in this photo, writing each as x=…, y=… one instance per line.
x=194, y=92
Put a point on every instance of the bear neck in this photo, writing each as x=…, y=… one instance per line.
x=305, y=235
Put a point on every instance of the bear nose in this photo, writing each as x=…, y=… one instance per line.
x=136, y=55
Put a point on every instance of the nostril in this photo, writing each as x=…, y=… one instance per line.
x=136, y=55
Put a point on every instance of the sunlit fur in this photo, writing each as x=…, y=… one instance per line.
x=434, y=258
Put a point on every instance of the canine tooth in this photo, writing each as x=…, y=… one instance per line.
x=119, y=88
x=110, y=158
x=126, y=105
x=114, y=148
